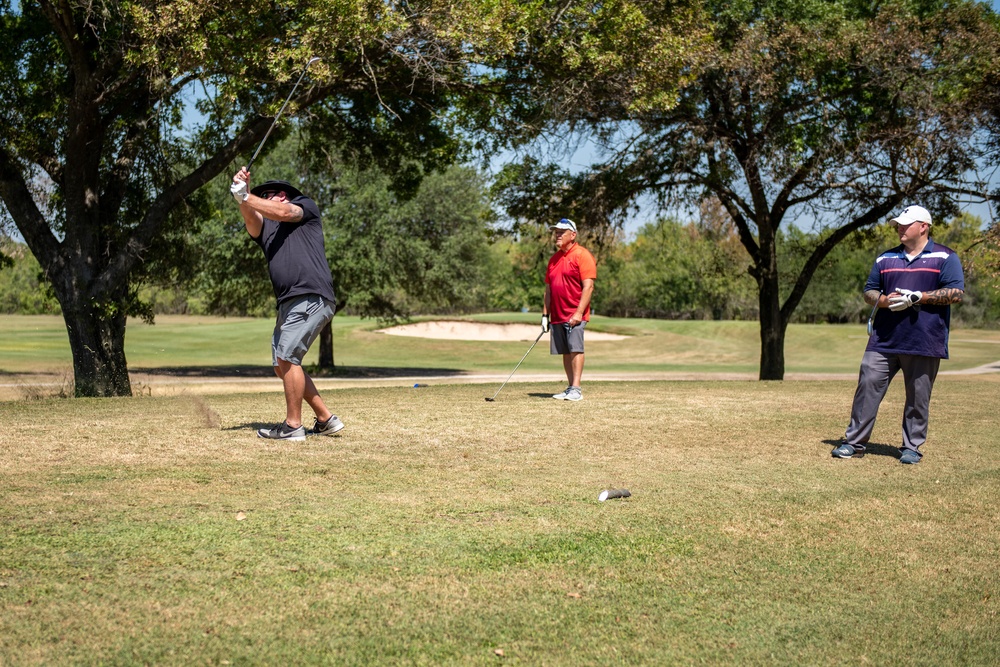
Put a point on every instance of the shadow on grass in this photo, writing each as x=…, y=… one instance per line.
x=39, y=373
x=268, y=371
x=871, y=449
x=381, y=372
x=511, y=394
x=207, y=371
x=253, y=427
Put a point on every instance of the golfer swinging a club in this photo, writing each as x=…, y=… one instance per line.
x=569, y=284
x=287, y=226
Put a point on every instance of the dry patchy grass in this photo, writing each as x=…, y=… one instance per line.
x=440, y=529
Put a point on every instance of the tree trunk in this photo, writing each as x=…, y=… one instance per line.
x=98, y=345
x=772, y=331
x=326, y=347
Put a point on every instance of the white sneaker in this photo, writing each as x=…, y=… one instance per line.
x=569, y=394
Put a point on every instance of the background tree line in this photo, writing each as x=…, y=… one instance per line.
x=442, y=250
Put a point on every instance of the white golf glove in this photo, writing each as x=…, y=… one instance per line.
x=545, y=323
x=239, y=190
x=905, y=299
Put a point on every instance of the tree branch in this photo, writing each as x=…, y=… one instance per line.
x=868, y=218
x=29, y=219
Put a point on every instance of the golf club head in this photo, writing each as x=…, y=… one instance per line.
x=490, y=400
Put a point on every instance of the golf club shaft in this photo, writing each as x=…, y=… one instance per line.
x=275, y=121
x=871, y=316
x=540, y=334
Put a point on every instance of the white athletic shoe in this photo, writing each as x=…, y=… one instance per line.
x=569, y=394
x=282, y=432
x=329, y=427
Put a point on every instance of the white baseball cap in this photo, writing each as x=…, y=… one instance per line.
x=565, y=223
x=910, y=215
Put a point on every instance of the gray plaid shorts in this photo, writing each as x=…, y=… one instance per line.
x=564, y=339
x=300, y=320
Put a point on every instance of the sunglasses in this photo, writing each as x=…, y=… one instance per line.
x=267, y=194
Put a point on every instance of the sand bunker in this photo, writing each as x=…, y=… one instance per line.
x=461, y=330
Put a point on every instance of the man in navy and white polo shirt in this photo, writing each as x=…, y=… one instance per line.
x=912, y=287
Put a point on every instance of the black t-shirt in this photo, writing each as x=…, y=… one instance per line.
x=296, y=254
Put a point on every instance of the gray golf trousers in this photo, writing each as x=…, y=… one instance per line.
x=877, y=371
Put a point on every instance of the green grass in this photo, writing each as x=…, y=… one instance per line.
x=39, y=343
x=440, y=528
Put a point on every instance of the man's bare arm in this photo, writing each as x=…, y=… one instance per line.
x=939, y=297
x=588, y=291
x=281, y=211
x=943, y=297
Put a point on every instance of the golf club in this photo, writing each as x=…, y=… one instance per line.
x=540, y=334
x=275, y=122
x=871, y=317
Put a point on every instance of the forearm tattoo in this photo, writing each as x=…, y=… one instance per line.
x=943, y=297
x=939, y=297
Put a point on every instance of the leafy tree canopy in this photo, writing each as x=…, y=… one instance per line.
x=834, y=112
x=100, y=173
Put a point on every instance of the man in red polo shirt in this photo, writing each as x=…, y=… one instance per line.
x=569, y=284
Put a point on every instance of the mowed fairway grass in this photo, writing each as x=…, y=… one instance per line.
x=39, y=345
x=439, y=529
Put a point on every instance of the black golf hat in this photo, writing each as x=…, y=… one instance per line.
x=284, y=186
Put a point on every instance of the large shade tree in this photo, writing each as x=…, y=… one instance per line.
x=987, y=251
x=816, y=112
x=102, y=168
